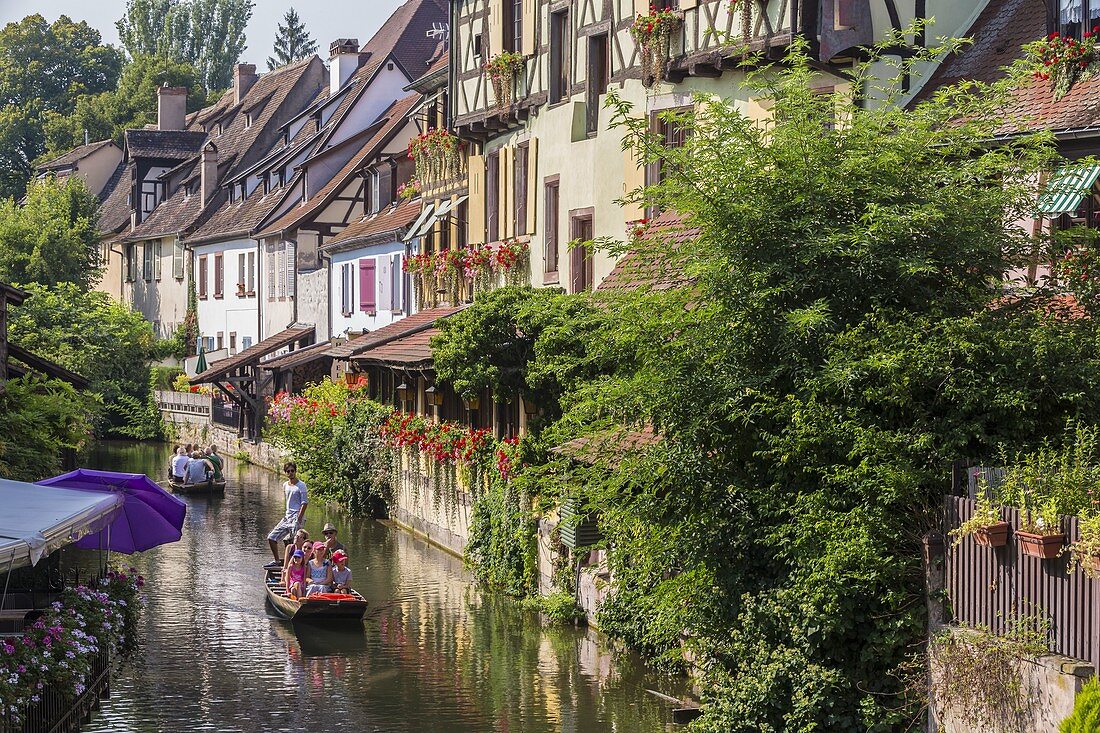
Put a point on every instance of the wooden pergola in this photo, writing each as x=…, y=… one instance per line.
x=244, y=381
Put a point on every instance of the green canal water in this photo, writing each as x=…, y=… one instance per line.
x=436, y=653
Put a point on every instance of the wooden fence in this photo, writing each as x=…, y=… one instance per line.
x=992, y=586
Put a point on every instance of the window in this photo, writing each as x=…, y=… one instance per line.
x=242, y=263
x=598, y=67
x=219, y=276
x=233, y=341
x=178, y=259
x=519, y=189
x=208, y=343
x=131, y=262
x=221, y=340
x=346, y=285
x=367, y=301
x=580, y=257
x=478, y=47
x=250, y=282
x=291, y=267
x=1076, y=17
x=202, y=277
x=551, y=217
x=492, y=197
x=672, y=134
x=559, y=57
x=246, y=341
x=513, y=28
x=462, y=213
x=280, y=270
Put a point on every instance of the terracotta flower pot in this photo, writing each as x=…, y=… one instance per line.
x=1043, y=546
x=993, y=535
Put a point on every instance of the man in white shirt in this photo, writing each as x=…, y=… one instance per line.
x=179, y=463
x=296, y=502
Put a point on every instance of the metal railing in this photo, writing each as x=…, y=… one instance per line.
x=990, y=587
x=225, y=413
x=57, y=712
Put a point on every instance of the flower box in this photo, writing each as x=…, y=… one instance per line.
x=993, y=535
x=1046, y=547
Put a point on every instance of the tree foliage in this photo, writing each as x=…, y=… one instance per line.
x=89, y=333
x=52, y=237
x=844, y=338
x=131, y=105
x=292, y=42
x=44, y=69
x=206, y=34
x=43, y=418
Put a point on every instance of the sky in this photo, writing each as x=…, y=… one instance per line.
x=326, y=20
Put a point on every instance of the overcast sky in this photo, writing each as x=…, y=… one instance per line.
x=325, y=19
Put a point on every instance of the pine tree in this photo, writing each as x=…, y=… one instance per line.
x=292, y=42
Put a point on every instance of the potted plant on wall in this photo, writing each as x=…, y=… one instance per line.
x=1085, y=552
x=1040, y=534
x=986, y=525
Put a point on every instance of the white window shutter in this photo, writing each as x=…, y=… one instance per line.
x=385, y=284
x=291, y=267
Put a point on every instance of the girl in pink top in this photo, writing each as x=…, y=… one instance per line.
x=296, y=575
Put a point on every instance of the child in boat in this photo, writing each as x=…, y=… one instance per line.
x=296, y=575
x=319, y=571
x=301, y=538
x=341, y=574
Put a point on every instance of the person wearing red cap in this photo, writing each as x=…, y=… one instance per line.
x=341, y=574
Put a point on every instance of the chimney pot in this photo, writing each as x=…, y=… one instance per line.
x=244, y=76
x=171, y=108
x=344, y=60
x=209, y=172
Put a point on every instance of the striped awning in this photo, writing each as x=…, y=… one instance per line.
x=1067, y=189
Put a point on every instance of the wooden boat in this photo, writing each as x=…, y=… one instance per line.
x=350, y=606
x=207, y=487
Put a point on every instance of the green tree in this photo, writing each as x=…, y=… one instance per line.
x=91, y=334
x=844, y=338
x=132, y=105
x=292, y=42
x=52, y=237
x=44, y=69
x=43, y=418
x=207, y=34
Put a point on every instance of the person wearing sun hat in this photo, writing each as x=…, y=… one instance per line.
x=331, y=542
x=341, y=574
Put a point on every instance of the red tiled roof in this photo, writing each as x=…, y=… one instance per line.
x=609, y=447
x=166, y=144
x=410, y=324
x=998, y=34
x=254, y=353
x=392, y=219
x=405, y=35
x=411, y=351
x=114, y=207
x=653, y=267
x=237, y=218
x=394, y=119
x=298, y=356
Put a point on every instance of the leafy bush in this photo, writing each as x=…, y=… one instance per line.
x=1086, y=711
x=43, y=418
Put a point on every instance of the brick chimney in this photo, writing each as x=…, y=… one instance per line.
x=209, y=172
x=171, y=107
x=344, y=59
x=244, y=76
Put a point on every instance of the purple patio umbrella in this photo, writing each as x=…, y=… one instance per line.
x=149, y=517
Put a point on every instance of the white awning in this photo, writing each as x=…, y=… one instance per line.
x=40, y=519
x=443, y=210
x=425, y=215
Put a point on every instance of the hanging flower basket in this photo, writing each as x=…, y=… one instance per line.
x=1063, y=60
x=437, y=154
x=653, y=35
x=502, y=70
x=993, y=535
x=410, y=190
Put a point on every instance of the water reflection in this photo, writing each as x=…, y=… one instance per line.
x=434, y=654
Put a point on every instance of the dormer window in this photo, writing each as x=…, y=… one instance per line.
x=267, y=183
x=248, y=120
x=1077, y=17
x=232, y=195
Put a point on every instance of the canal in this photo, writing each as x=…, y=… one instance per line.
x=436, y=653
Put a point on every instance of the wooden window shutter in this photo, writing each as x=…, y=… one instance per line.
x=270, y=273
x=366, y=285
x=291, y=267
x=219, y=274
x=241, y=270
x=641, y=7
x=507, y=192
x=385, y=294
x=496, y=27
x=476, y=209
x=202, y=277
x=688, y=4
x=532, y=184
x=156, y=260
x=530, y=19
x=397, y=286
x=846, y=15
x=576, y=269
x=177, y=259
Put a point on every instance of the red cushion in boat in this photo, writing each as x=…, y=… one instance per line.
x=330, y=597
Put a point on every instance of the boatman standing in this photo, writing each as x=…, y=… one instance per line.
x=296, y=501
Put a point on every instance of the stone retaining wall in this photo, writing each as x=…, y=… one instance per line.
x=185, y=429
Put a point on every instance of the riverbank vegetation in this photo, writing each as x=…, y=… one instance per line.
x=833, y=334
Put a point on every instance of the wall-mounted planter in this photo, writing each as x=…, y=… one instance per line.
x=1046, y=547
x=993, y=535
